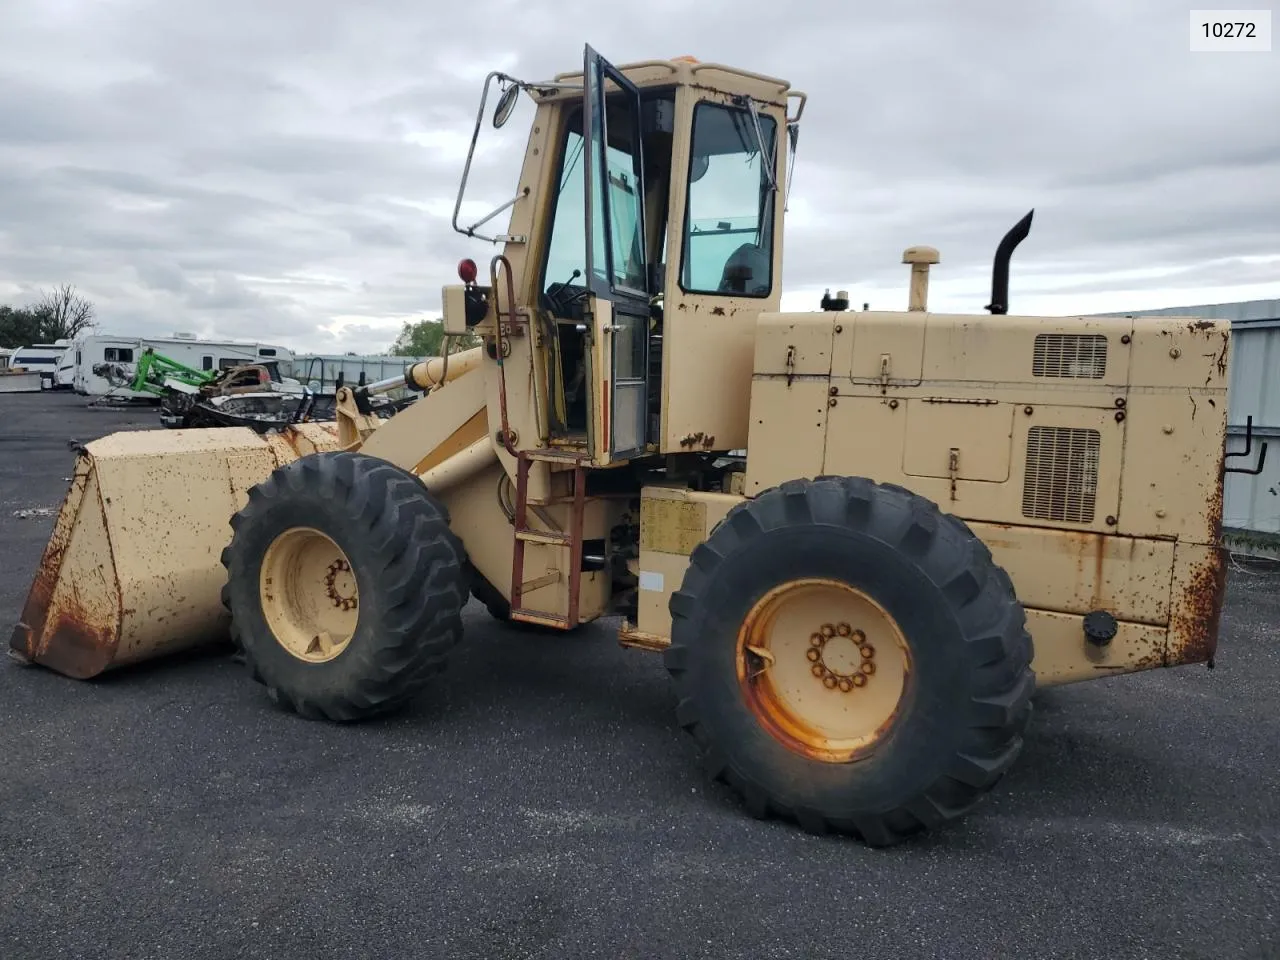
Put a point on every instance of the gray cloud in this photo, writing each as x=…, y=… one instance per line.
x=288, y=169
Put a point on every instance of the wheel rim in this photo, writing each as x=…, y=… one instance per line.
x=309, y=594
x=823, y=667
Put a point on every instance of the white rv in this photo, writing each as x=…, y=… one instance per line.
x=65, y=378
x=41, y=358
x=100, y=359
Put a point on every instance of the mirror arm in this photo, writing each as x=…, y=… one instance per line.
x=466, y=169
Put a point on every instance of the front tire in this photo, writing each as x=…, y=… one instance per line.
x=849, y=657
x=345, y=585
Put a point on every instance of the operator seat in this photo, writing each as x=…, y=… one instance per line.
x=746, y=271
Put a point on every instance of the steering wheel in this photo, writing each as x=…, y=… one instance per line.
x=565, y=299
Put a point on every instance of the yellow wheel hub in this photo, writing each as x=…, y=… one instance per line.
x=823, y=667
x=309, y=594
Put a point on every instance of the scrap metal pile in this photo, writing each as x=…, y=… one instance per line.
x=251, y=395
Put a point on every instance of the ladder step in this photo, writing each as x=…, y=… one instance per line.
x=538, y=536
x=555, y=455
x=543, y=619
x=572, y=538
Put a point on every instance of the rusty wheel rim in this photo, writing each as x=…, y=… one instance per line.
x=309, y=594
x=823, y=667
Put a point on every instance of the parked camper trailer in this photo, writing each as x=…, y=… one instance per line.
x=102, y=359
x=41, y=358
x=65, y=378
x=16, y=381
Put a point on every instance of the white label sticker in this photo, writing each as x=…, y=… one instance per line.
x=650, y=580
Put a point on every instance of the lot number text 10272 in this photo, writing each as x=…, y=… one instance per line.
x=1230, y=31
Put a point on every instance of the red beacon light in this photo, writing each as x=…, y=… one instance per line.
x=467, y=271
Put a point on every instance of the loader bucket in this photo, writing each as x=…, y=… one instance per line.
x=133, y=569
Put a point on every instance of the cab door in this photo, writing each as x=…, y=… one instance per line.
x=617, y=263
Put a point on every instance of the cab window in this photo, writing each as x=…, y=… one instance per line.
x=728, y=230
x=625, y=247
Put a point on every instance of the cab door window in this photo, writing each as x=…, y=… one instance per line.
x=618, y=252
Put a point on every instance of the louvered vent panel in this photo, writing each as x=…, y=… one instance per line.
x=1062, y=474
x=1074, y=355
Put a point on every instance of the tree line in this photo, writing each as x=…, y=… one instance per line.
x=63, y=314
x=58, y=314
x=425, y=339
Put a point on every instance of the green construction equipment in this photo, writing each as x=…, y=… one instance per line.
x=155, y=371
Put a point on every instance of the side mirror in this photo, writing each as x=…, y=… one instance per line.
x=698, y=168
x=506, y=104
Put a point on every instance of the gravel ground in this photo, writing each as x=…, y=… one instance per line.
x=541, y=801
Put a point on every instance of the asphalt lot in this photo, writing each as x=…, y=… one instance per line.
x=541, y=801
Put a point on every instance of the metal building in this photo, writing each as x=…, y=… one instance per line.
x=1251, y=505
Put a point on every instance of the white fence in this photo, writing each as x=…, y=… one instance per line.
x=323, y=368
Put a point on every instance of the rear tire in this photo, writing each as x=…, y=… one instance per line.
x=385, y=609
x=947, y=719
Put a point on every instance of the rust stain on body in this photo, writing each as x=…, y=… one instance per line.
x=1099, y=558
x=77, y=647
x=73, y=641
x=1193, y=631
x=27, y=634
x=1197, y=613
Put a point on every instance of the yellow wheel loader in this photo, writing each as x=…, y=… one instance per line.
x=861, y=539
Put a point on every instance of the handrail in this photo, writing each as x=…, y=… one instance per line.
x=500, y=343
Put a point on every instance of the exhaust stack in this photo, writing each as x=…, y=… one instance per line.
x=1000, y=270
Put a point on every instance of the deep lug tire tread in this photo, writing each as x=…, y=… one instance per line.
x=978, y=597
x=414, y=580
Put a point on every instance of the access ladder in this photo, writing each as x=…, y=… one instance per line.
x=572, y=539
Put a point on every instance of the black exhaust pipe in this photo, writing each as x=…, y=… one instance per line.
x=1000, y=270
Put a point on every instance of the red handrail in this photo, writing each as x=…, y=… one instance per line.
x=501, y=343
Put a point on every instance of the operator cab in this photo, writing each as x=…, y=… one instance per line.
x=651, y=244
x=618, y=251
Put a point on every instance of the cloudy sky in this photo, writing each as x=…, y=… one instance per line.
x=286, y=169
